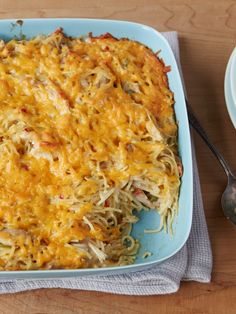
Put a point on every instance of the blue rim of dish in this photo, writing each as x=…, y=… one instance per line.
x=231, y=106
x=233, y=76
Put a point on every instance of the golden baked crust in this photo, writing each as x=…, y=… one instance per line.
x=148, y=71
x=87, y=134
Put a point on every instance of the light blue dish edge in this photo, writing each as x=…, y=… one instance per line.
x=233, y=76
x=187, y=155
x=228, y=92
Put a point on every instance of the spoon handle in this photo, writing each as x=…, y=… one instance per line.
x=197, y=126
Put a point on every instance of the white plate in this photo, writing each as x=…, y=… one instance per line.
x=231, y=104
x=233, y=75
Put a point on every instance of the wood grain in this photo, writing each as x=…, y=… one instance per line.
x=207, y=32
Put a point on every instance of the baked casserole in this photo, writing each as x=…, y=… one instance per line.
x=87, y=137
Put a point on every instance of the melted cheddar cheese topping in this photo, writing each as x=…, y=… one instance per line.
x=86, y=125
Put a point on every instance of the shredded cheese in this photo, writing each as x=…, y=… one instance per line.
x=83, y=125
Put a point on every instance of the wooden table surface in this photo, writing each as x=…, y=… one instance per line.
x=207, y=32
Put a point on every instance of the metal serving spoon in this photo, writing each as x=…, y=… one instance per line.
x=228, y=199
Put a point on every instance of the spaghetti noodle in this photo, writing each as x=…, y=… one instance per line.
x=87, y=136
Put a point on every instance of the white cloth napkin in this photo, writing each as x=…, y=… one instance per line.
x=192, y=262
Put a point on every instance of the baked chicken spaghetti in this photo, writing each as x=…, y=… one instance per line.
x=87, y=136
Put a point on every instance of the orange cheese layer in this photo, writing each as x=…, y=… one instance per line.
x=70, y=109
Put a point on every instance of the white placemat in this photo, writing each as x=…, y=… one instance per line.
x=192, y=262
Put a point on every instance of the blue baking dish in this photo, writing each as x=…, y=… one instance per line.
x=161, y=245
